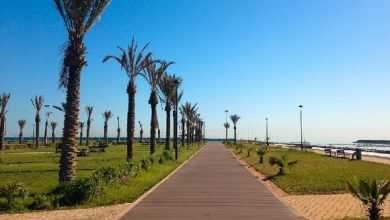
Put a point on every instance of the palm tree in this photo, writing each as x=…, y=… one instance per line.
x=158, y=133
x=183, y=121
x=60, y=108
x=4, y=98
x=261, y=151
x=118, y=131
x=47, y=114
x=107, y=115
x=167, y=87
x=133, y=63
x=235, y=119
x=153, y=73
x=281, y=162
x=89, y=110
x=190, y=111
x=78, y=16
x=81, y=124
x=53, y=125
x=21, y=123
x=37, y=102
x=141, y=132
x=227, y=126
x=372, y=194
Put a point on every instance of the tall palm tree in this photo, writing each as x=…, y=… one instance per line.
x=21, y=123
x=175, y=102
x=89, y=110
x=118, y=132
x=78, y=16
x=37, y=102
x=153, y=73
x=81, y=124
x=107, y=115
x=183, y=129
x=4, y=98
x=227, y=126
x=133, y=63
x=372, y=194
x=53, y=125
x=190, y=113
x=47, y=114
x=167, y=87
x=141, y=132
x=235, y=119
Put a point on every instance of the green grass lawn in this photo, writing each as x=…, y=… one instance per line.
x=38, y=169
x=315, y=173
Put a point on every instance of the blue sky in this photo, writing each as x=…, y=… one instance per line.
x=255, y=58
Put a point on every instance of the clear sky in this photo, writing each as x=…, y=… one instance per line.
x=255, y=58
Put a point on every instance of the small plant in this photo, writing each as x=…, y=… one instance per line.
x=249, y=151
x=39, y=202
x=160, y=159
x=12, y=191
x=145, y=164
x=239, y=148
x=167, y=156
x=261, y=151
x=108, y=174
x=281, y=162
x=373, y=195
x=78, y=191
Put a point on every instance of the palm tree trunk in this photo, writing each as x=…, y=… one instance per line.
x=2, y=129
x=182, y=131
x=188, y=132
x=235, y=135
x=45, y=139
x=168, y=125
x=158, y=135
x=131, y=90
x=88, y=127
x=226, y=134
x=71, y=122
x=20, y=136
x=105, y=132
x=81, y=136
x=153, y=101
x=53, y=136
x=37, y=121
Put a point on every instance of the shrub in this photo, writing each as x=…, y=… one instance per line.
x=160, y=159
x=39, y=202
x=239, y=148
x=78, y=191
x=281, y=162
x=129, y=168
x=373, y=195
x=108, y=174
x=167, y=156
x=261, y=151
x=12, y=191
x=249, y=150
x=145, y=164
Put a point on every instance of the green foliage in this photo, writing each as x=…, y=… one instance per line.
x=249, y=150
x=145, y=164
x=81, y=190
x=281, y=162
x=261, y=151
x=39, y=202
x=107, y=174
x=372, y=194
x=167, y=155
x=11, y=192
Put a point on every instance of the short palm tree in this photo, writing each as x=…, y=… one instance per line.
x=89, y=110
x=81, y=124
x=21, y=123
x=227, y=126
x=153, y=73
x=118, y=132
x=372, y=194
x=4, y=98
x=235, y=119
x=53, y=125
x=107, y=115
x=78, y=16
x=261, y=151
x=37, y=102
x=133, y=63
x=281, y=162
x=141, y=132
x=47, y=114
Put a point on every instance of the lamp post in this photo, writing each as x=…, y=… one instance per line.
x=176, y=82
x=266, y=131
x=300, y=114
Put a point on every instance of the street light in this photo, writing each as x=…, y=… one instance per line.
x=176, y=82
x=266, y=131
x=300, y=114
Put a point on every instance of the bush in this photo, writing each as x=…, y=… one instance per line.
x=12, y=191
x=145, y=164
x=78, y=191
x=39, y=202
x=167, y=156
x=129, y=168
x=107, y=174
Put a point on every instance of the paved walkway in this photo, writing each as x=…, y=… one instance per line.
x=212, y=185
